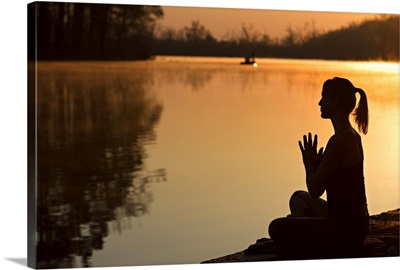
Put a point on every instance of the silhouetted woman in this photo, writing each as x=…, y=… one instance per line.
x=338, y=226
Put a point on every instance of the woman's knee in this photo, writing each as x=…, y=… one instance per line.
x=283, y=229
x=299, y=194
x=303, y=205
x=297, y=200
x=274, y=229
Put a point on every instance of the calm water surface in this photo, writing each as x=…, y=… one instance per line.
x=180, y=160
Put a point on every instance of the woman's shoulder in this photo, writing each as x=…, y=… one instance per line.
x=347, y=133
x=345, y=137
x=351, y=133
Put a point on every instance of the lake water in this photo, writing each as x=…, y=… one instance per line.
x=184, y=159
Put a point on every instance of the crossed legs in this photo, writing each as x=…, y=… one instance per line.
x=308, y=228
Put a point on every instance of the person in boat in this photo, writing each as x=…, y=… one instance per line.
x=247, y=60
x=339, y=225
x=250, y=59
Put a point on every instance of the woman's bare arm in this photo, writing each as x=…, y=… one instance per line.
x=342, y=150
x=320, y=166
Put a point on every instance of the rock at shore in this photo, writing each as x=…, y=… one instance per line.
x=382, y=241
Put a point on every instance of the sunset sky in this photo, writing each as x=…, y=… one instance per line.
x=272, y=22
x=272, y=17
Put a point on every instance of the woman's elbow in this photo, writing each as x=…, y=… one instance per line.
x=315, y=188
x=315, y=193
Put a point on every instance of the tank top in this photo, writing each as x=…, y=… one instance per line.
x=347, y=203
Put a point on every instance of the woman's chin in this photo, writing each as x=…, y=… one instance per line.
x=324, y=116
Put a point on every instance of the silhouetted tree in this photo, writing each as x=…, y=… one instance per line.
x=76, y=34
x=92, y=31
x=196, y=33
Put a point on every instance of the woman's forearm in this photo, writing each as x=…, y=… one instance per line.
x=312, y=184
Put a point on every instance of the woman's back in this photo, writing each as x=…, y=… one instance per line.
x=350, y=148
x=345, y=189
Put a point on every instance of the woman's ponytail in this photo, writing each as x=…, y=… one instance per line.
x=361, y=112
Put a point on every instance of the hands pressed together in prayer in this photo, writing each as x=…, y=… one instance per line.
x=311, y=158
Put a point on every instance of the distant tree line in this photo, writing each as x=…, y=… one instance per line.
x=376, y=38
x=59, y=30
x=81, y=31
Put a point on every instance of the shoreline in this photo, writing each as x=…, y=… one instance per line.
x=382, y=241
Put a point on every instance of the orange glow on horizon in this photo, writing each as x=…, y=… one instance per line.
x=274, y=23
x=379, y=66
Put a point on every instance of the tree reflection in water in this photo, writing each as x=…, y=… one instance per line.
x=91, y=133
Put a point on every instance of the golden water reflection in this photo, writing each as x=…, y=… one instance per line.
x=230, y=143
x=226, y=135
x=92, y=131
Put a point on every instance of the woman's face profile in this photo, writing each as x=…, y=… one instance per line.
x=327, y=104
